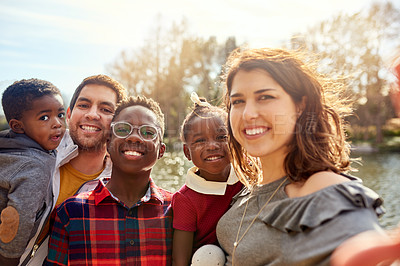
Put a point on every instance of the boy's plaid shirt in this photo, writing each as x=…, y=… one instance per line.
x=95, y=228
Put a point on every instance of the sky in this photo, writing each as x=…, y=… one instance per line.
x=65, y=41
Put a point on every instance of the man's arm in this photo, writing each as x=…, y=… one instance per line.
x=182, y=247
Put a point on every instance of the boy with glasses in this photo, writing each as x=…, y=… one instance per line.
x=126, y=219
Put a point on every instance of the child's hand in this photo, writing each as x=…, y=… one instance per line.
x=9, y=224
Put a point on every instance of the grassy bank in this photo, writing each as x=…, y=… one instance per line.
x=363, y=139
x=389, y=144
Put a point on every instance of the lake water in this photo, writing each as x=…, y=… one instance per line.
x=379, y=171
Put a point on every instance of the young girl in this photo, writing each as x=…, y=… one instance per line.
x=210, y=184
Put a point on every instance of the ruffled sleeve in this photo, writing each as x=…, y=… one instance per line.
x=300, y=214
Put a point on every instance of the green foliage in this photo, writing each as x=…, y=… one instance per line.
x=3, y=123
x=360, y=133
x=366, y=135
x=391, y=133
x=392, y=128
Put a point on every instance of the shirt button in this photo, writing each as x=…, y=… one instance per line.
x=130, y=212
x=131, y=242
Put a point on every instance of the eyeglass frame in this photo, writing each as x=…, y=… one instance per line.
x=133, y=128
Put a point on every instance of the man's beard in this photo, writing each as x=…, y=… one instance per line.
x=88, y=143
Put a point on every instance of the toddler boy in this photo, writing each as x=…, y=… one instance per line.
x=35, y=114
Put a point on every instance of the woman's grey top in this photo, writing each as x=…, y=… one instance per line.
x=297, y=231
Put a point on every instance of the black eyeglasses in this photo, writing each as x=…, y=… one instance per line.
x=124, y=129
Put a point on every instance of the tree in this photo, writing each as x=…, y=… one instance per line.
x=170, y=65
x=353, y=46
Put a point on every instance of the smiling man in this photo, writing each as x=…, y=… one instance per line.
x=82, y=154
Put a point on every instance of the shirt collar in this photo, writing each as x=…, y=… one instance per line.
x=101, y=192
x=156, y=193
x=201, y=185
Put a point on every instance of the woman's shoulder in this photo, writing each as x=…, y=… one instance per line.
x=319, y=181
x=325, y=197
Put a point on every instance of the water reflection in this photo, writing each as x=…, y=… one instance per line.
x=169, y=172
x=380, y=172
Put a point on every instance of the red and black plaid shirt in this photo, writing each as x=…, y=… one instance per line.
x=95, y=228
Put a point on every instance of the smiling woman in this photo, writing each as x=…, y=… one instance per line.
x=256, y=93
x=288, y=146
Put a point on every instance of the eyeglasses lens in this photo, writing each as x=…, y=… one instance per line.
x=123, y=130
x=148, y=132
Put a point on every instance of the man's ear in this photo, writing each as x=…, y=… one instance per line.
x=186, y=152
x=161, y=151
x=16, y=126
x=68, y=113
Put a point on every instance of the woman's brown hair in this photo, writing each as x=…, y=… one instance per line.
x=319, y=142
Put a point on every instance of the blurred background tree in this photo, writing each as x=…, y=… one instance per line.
x=3, y=123
x=354, y=47
x=169, y=66
x=358, y=48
